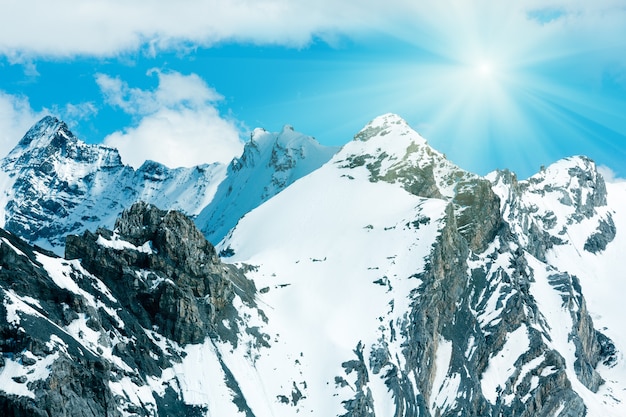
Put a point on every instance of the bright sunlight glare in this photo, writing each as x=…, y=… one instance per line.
x=486, y=94
x=485, y=69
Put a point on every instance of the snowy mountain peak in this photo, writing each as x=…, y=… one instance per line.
x=392, y=151
x=287, y=138
x=575, y=181
x=391, y=283
x=580, y=169
x=47, y=135
x=385, y=125
x=47, y=127
x=270, y=162
x=51, y=137
x=64, y=185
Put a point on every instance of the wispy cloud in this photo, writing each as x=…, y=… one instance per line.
x=16, y=117
x=609, y=175
x=177, y=123
x=107, y=28
x=76, y=112
x=546, y=15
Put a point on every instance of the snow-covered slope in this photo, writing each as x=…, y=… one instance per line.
x=577, y=224
x=52, y=184
x=385, y=281
x=336, y=267
x=269, y=163
x=410, y=287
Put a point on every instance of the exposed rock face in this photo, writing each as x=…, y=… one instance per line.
x=95, y=345
x=77, y=381
x=393, y=282
x=451, y=307
x=605, y=233
x=58, y=185
x=174, y=279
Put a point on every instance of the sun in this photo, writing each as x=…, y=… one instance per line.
x=485, y=69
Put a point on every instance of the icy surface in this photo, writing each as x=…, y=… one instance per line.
x=322, y=257
x=502, y=364
x=335, y=247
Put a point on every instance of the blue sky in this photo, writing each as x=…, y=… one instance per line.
x=492, y=84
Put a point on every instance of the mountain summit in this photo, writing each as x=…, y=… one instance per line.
x=270, y=162
x=55, y=184
x=379, y=279
x=384, y=125
x=422, y=289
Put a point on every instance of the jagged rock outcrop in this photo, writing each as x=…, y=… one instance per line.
x=98, y=333
x=391, y=282
x=58, y=185
x=54, y=373
x=171, y=276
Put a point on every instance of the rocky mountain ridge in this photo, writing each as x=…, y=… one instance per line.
x=490, y=328
x=53, y=184
x=104, y=327
x=386, y=281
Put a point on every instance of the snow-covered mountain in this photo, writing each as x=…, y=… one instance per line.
x=382, y=280
x=269, y=163
x=52, y=184
x=420, y=289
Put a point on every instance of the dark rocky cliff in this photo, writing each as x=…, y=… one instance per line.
x=158, y=279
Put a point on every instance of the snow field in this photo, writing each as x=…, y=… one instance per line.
x=319, y=256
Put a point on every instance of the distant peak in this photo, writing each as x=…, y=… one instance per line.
x=151, y=166
x=257, y=132
x=570, y=166
x=49, y=129
x=388, y=119
x=51, y=136
x=288, y=137
x=48, y=121
x=384, y=125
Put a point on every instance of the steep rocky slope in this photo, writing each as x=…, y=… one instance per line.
x=427, y=290
x=52, y=184
x=387, y=282
x=104, y=331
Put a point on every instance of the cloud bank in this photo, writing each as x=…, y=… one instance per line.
x=16, y=117
x=177, y=123
x=65, y=28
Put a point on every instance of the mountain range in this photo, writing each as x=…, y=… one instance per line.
x=375, y=279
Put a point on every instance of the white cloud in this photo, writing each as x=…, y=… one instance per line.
x=16, y=117
x=609, y=175
x=174, y=91
x=178, y=123
x=81, y=110
x=109, y=27
x=72, y=113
